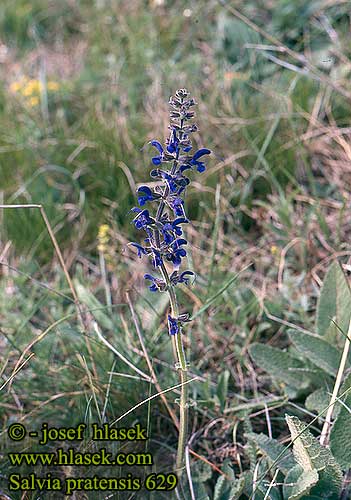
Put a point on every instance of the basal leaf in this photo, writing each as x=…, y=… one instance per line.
x=310, y=455
x=317, y=401
x=279, y=364
x=272, y=449
x=334, y=301
x=317, y=350
x=298, y=483
x=340, y=436
x=228, y=489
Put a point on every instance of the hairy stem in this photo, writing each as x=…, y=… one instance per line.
x=177, y=341
x=180, y=360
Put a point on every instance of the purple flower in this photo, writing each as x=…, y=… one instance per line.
x=141, y=250
x=157, y=258
x=173, y=326
x=143, y=219
x=157, y=160
x=167, y=231
x=178, y=207
x=176, y=253
x=178, y=230
x=146, y=194
x=157, y=283
x=164, y=239
x=183, y=277
x=200, y=166
x=173, y=142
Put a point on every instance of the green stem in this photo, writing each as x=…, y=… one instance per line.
x=177, y=341
x=180, y=360
x=183, y=422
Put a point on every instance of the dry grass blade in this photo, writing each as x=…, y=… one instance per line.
x=151, y=398
x=152, y=371
x=119, y=355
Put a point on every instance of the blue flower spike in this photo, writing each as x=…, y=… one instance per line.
x=164, y=242
x=164, y=230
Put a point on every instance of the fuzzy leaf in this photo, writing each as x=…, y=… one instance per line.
x=228, y=489
x=340, y=436
x=317, y=350
x=202, y=472
x=312, y=456
x=200, y=491
x=317, y=401
x=299, y=482
x=272, y=449
x=279, y=364
x=261, y=488
x=334, y=300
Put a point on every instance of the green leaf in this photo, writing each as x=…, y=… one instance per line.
x=272, y=449
x=340, y=436
x=334, y=301
x=317, y=401
x=200, y=491
x=279, y=364
x=317, y=350
x=312, y=456
x=222, y=388
x=299, y=482
x=261, y=488
x=228, y=489
x=202, y=472
x=96, y=308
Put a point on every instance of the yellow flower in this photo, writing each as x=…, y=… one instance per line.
x=274, y=249
x=33, y=101
x=32, y=87
x=16, y=86
x=53, y=86
x=103, y=237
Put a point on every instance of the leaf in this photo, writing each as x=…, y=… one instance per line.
x=272, y=449
x=96, y=308
x=312, y=456
x=228, y=489
x=279, y=364
x=237, y=489
x=340, y=436
x=299, y=482
x=222, y=388
x=202, y=472
x=317, y=401
x=200, y=491
x=317, y=350
x=261, y=488
x=334, y=301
